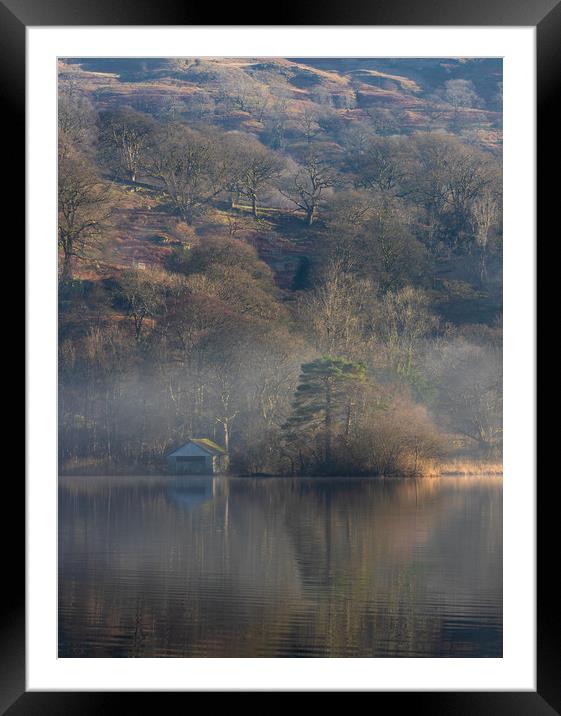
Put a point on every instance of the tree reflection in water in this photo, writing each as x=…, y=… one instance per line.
x=280, y=567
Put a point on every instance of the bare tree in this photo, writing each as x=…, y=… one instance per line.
x=379, y=164
x=404, y=322
x=350, y=210
x=253, y=169
x=485, y=212
x=275, y=123
x=335, y=310
x=76, y=119
x=82, y=206
x=240, y=91
x=460, y=94
x=126, y=133
x=370, y=232
x=188, y=165
x=468, y=379
x=384, y=121
x=308, y=124
x=306, y=188
x=142, y=296
x=445, y=179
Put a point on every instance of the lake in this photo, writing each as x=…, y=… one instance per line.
x=280, y=567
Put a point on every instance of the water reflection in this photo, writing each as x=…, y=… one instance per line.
x=280, y=567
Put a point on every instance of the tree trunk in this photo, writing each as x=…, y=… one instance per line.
x=483, y=267
x=328, y=422
x=187, y=214
x=226, y=425
x=66, y=275
x=254, y=205
x=348, y=420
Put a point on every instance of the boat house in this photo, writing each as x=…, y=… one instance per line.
x=198, y=456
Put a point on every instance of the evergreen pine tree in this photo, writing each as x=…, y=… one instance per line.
x=322, y=402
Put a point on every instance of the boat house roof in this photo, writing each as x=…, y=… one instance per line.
x=205, y=444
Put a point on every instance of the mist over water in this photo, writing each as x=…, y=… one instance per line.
x=279, y=567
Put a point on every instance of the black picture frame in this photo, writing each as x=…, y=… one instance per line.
x=15, y=16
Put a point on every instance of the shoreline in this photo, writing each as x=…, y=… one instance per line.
x=448, y=470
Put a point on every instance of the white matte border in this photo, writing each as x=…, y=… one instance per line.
x=516, y=670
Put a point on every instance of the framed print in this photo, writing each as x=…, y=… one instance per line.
x=266, y=355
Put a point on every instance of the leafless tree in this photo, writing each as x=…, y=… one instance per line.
x=76, y=119
x=379, y=164
x=445, y=178
x=404, y=322
x=188, y=164
x=468, y=378
x=306, y=188
x=82, y=207
x=253, y=169
x=126, y=134
x=460, y=94
x=142, y=295
x=308, y=124
x=335, y=310
x=485, y=212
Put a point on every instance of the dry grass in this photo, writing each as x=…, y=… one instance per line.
x=466, y=467
x=97, y=466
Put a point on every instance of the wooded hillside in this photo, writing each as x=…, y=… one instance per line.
x=298, y=258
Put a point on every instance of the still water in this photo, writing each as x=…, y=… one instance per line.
x=280, y=567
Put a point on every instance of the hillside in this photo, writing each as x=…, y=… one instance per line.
x=288, y=208
x=412, y=92
x=405, y=93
